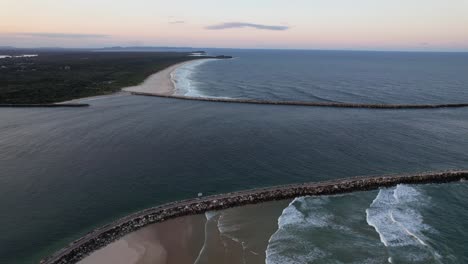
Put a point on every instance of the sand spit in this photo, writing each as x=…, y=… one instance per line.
x=175, y=241
x=103, y=236
x=160, y=83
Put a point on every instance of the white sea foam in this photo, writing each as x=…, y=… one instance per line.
x=26, y=56
x=290, y=215
x=197, y=54
x=226, y=229
x=18, y=56
x=182, y=77
x=396, y=222
x=210, y=214
x=396, y=217
x=226, y=226
x=290, y=224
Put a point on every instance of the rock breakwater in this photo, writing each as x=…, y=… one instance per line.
x=101, y=237
x=305, y=103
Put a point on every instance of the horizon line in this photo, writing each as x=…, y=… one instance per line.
x=6, y=47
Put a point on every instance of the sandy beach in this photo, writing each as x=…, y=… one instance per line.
x=159, y=83
x=235, y=235
x=174, y=241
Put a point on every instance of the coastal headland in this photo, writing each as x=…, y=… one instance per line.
x=103, y=236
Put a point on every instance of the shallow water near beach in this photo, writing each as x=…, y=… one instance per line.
x=402, y=224
x=330, y=76
x=64, y=172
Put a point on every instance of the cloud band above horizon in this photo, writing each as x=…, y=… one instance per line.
x=231, y=25
x=59, y=35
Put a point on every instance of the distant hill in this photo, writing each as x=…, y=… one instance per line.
x=146, y=48
x=116, y=48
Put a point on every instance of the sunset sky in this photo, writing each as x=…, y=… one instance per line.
x=294, y=24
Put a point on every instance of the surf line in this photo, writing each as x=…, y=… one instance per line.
x=100, y=237
x=304, y=103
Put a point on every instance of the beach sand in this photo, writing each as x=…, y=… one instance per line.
x=159, y=83
x=240, y=234
x=172, y=242
x=231, y=236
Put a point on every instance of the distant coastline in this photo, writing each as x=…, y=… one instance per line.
x=161, y=84
x=50, y=77
x=105, y=235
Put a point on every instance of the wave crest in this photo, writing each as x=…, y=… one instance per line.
x=396, y=217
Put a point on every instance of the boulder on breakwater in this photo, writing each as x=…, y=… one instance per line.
x=305, y=103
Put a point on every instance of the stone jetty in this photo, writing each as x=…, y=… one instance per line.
x=306, y=103
x=105, y=235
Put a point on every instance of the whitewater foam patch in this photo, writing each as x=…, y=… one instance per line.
x=183, y=78
x=395, y=215
x=18, y=56
x=223, y=236
x=330, y=229
x=287, y=245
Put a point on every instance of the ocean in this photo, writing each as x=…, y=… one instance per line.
x=330, y=76
x=64, y=172
x=403, y=224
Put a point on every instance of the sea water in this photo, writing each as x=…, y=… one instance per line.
x=64, y=172
x=403, y=224
x=332, y=76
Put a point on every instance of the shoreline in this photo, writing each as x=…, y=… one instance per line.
x=156, y=243
x=107, y=234
x=160, y=83
x=92, y=98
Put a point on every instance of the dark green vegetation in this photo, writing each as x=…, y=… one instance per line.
x=56, y=76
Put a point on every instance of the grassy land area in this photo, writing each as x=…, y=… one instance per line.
x=64, y=75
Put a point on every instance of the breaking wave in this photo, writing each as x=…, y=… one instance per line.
x=183, y=80
x=396, y=217
x=341, y=229
x=324, y=230
x=281, y=244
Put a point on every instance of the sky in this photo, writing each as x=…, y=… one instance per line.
x=425, y=25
